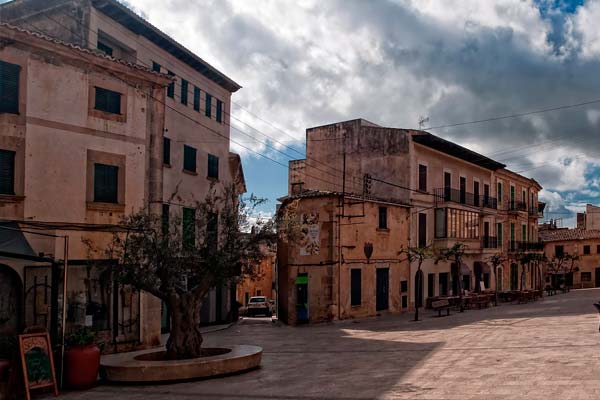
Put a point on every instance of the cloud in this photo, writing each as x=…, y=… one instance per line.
x=307, y=63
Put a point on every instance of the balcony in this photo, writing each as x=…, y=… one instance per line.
x=519, y=247
x=489, y=242
x=517, y=206
x=535, y=212
x=470, y=199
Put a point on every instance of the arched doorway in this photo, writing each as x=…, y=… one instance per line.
x=11, y=299
x=419, y=289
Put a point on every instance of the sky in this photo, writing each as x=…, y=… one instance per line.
x=304, y=63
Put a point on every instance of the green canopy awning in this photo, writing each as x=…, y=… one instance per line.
x=302, y=280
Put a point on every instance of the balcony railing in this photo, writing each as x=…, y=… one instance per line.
x=535, y=211
x=489, y=242
x=462, y=197
x=516, y=246
x=517, y=206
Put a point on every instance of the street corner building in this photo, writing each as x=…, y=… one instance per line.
x=101, y=115
x=365, y=192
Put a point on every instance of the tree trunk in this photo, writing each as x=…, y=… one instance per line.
x=185, y=340
x=496, y=287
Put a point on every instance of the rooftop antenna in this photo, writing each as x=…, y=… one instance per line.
x=422, y=121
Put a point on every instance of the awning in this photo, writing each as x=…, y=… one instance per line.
x=302, y=280
x=13, y=243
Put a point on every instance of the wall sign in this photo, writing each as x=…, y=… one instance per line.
x=37, y=362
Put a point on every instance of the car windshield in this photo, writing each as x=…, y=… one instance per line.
x=258, y=300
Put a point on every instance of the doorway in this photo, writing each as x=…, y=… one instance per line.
x=383, y=284
x=11, y=295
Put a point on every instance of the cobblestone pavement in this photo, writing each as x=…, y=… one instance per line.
x=549, y=349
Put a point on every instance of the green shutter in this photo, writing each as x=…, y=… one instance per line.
x=189, y=158
x=184, y=91
x=208, y=106
x=108, y=101
x=196, y=99
x=155, y=66
x=9, y=87
x=219, y=115
x=171, y=87
x=106, y=182
x=499, y=234
x=189, y=227
x=7, y=172
x=213, y=166
x=167, y=151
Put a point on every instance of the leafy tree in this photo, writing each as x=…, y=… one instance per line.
x=524, y=259
x=455, y=254
x=418, y=255
x=180, y=259
x=497, y=260
x=563, y=263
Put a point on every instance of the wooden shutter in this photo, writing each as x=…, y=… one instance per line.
x=196, y=99
x=422, y=178
x=208, y=107
x=184, y=91
x=155, y=66
x=189, y=158
x=7, y=172
x=171, y=87
x=106, y=182
x=165, y=219
x=355, y=287
x=422, y=230
x=167, y=151
x=219, y=111
x=213, y=166
x=108, y=101
x=9, y=87
x=189, y=227
x=382, y=218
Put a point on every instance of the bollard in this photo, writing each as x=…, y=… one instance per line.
x=597, y=305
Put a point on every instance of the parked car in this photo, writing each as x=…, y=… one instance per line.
x=259, y=305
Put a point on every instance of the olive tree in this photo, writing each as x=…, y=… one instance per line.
x=418, y=255
x=455, y=254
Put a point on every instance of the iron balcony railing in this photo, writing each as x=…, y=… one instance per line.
x=462, y=197
x=536, y=211
x=489, y=242
x=517, y=206
x=518, y=246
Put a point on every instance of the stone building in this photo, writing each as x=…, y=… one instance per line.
x=80, y=146
x=585, y=243
x=590, y=218
x=262, y=283
x=455, y=195
x=195, y=153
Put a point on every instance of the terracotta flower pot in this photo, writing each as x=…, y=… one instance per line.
x=81, y=366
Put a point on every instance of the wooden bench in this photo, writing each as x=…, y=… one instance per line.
x=440, y=305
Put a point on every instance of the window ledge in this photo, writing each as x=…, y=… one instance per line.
x=98, y=206
x=108, y=115
x=167, y=165
x=185, y=171
x=11, y=198
x=383, y=230
x=212, y=178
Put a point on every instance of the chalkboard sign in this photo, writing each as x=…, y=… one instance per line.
x=37, y=362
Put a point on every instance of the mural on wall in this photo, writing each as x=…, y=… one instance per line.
x=309, y=234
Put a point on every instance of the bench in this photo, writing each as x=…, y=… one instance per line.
x=440, y=305
x=480, y=301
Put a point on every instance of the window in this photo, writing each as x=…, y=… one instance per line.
x=512, y=197
x=586, y=277
x=219, y=115
x=486, y=195
x=598, y=249
x=463, y=189
x=165, y=219
x=523, y=233
x=459, y=224
x=476, y=193
x=189, y=227
x=9, y=88
x=355, y=287
x=524, y=196
x=171, y=87
x=196, y=99
x=189, y=158
x=208, y=105
x=108, y=101
x=184, y=92
x=7, y=172
x=512, y=236
x=105, y=48
x=559, y=250
x=587, y=249
x=499, y=192
x=430, y=285
x=106, y=182
x=422, y=230
x=403, y=286
x=155, y=66
x=382, y=218
x=499, y=234
x=167, y=151
x=422, y=178
x=213, y=166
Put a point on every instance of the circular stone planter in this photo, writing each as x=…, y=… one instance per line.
x=143, y=366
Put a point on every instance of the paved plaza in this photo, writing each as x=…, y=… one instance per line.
x=549, y=349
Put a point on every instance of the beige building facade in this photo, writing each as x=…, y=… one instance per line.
x=195, y=154
x=80, y=138
x=584, y=243
x=455, y=195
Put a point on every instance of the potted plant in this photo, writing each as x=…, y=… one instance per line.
x=82, y=359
